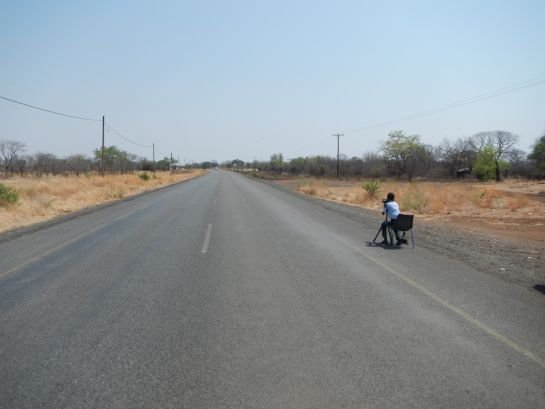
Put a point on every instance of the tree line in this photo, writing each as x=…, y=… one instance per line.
x=15, y=162
x=488, y=155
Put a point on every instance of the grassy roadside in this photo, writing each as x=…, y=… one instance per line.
x=426, y=198
x=514, y=209
x=41, y=199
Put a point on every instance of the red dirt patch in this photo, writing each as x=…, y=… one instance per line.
x=519, y=229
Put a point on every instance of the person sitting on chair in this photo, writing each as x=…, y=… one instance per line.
x=391, y=210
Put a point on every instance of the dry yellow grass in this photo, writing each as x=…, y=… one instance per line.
x=434, y=198
x=47, y=197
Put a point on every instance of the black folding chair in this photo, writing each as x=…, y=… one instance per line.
x=403, y=223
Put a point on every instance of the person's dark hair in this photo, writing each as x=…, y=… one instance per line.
x=390, y=197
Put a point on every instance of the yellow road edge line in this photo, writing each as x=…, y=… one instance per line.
x=458, y=311
x=69, y=242
x=51, y=251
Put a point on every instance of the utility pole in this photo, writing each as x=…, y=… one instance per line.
x=171, y=161
x=102, y=153
x=153, y=156
x=254, y=166
x=338, y=135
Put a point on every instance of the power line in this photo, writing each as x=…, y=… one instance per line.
x=52, y=112
x=488, y=95
x=125, y=138
x=164, y=155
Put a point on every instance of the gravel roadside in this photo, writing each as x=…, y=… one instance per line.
x=512, y=261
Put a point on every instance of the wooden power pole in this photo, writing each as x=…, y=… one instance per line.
x=338, y=135
x=102, y=153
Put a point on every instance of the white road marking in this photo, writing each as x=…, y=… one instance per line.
x=206, y=240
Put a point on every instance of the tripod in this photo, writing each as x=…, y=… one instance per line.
x=388, y=232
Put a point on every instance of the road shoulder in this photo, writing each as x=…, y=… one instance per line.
x=509, y=260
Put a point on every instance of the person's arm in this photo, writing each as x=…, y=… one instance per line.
x=387, y=209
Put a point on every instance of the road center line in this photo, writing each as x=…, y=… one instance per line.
x=206, y=240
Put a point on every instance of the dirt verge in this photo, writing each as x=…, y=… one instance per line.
x=490, y=247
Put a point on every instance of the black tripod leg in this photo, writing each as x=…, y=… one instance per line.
x=379, y=230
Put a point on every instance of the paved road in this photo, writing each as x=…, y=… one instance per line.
x=224, y=292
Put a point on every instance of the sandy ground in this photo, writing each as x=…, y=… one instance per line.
x=527, y=224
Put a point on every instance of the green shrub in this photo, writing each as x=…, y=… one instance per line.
x=144, y=176
x=372, y=187
x=8, y=195
x=485, y=166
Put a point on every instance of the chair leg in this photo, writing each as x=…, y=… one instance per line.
x=391, y=234
x=412, y=237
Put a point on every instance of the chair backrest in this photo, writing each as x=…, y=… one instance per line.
x=404, y=222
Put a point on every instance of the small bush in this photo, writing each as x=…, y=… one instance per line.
x=144, y=176
x=479, y=198
x=372, y=187
x=46, y=202
x=312, y=188
x=116, y=193
x=8, y=195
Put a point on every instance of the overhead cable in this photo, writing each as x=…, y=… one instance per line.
x=125, y=138
x=166, y=156
x=488, y=95
x=52, y=112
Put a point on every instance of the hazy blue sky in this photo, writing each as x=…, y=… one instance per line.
x=243, y=79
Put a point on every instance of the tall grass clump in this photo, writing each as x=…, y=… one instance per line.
x=312, y=188
x=518, y=202
x=487, y=199
x=415, y=200
x=144, y=176
x=8, y=195
x=372, y=187
x=116, y=192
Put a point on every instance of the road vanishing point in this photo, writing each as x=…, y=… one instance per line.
x=226, y=292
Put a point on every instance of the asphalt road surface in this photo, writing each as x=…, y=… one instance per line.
x=224, y=292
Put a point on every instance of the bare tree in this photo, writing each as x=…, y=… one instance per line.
x=77, y=164
x=405, y=154
x=8, y=152
x=373, y=165
x=518, y=164
x=459, y=155
x=45, y=163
